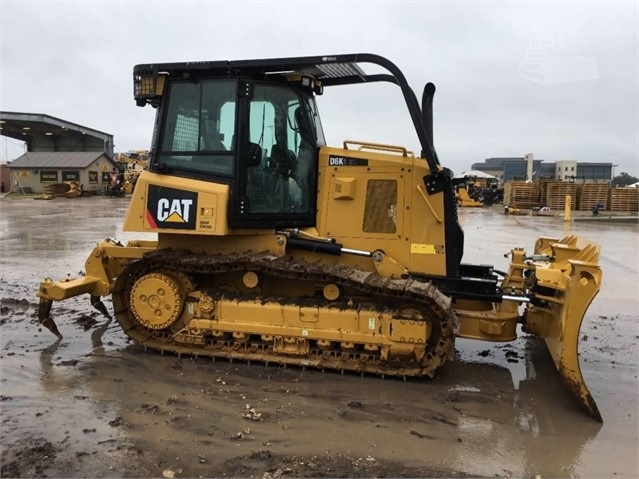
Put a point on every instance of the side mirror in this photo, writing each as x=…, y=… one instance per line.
x=253, y=154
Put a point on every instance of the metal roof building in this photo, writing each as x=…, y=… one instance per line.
x=80, y=159
x=57, y=151
x=47, y=133
x=33, y=171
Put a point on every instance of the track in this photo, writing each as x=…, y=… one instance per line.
x=406, y=300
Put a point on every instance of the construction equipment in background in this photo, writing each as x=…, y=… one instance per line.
x=464, y=200
x=472, y=195
x=509, y=210
x=132, y=164
x=273, y=246
x=476, y=188
x=67, y=189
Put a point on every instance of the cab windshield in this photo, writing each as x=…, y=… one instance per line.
x=199, y=128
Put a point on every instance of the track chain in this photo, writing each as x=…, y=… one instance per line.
x=376, y=289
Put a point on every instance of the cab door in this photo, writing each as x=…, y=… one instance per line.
x=276, y=180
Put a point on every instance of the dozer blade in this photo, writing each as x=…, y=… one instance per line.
x=44, y=311
x=563, y=293
x=566, y=356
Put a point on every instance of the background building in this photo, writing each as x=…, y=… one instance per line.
x=515, y=168
x=565, y=170
x=595, y=172
x=56, y=151
x=31, y=172
x=46, y=133
x=5, y=179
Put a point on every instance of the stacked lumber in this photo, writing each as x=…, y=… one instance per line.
x=591, y=194
x=520, y=194
x=556, y=195
x=543, y=187
x=624, y=199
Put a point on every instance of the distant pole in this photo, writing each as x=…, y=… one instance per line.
x=568, y=208
x=529, y=166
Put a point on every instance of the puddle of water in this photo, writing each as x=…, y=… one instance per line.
x=498, y=409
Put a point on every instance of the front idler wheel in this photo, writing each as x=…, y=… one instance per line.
x=157, y=300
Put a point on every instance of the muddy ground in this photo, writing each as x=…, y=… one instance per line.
x=95, y=405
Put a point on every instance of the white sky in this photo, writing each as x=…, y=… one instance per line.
x=74, y=60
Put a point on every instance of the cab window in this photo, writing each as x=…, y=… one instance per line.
x=199, y=127
x=283, y=180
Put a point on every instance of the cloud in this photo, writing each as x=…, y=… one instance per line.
x=74, y=60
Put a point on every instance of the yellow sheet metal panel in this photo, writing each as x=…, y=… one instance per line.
x=163, y=204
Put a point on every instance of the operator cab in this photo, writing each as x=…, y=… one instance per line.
x=253, y=125
x=259, y=135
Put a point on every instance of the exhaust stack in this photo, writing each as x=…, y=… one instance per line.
x=427, y=111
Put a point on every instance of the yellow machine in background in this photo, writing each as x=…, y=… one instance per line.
x=464, y=200
x=132, y=164
x=273, y=246
x=67, y=189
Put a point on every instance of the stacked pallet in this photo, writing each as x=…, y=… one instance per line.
x=543, y=188
x=508, y=190
x=591, y=194
x=556, y=195
x=520, y=194
x=624, y=199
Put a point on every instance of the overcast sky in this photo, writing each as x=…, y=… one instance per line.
x=74, y=61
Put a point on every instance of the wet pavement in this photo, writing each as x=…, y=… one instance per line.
x=96, y=405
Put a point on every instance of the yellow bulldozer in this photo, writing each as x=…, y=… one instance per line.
x=132, y=164
x=464, y=199
x=273, y=246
